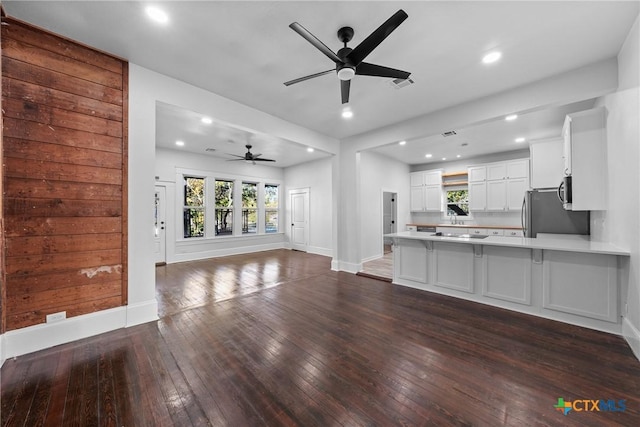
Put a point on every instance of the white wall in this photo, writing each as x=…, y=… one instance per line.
x=317, y=176
x=377, y=175
x=620, y=223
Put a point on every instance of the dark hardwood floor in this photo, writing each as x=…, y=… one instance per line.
x=276, y=338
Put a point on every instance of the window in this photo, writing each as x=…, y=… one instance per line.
x=224, y=208
x=271, y=208
x=193, y=211
x=459, y=198
x=249, y=208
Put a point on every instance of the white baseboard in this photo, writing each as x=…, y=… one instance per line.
x=335, y=265
x=349, y=267
x=215, y=253
x=632, y=335
x=319, y=251
x=142, y=312
x=46, y=335
x=39, y=337
x=371, y=258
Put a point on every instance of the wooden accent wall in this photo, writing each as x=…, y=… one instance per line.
x=64, y=177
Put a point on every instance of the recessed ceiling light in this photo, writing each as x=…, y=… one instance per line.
x=520, y=139
x=179, y=143
x=157, y=15
x=402, y=142
x=428, y=156
x=310, y=150
x=511, y=117
x=491, y=57
x=458, y=156
x=444, y=158
x=206, y=120
x=347, y=114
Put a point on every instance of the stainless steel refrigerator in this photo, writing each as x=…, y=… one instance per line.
x=542, y=212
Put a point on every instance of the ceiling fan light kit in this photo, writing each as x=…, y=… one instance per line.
x=350, y=62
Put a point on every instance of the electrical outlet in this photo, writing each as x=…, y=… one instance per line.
x=56, y=317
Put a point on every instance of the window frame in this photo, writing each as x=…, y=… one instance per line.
x=202, y=208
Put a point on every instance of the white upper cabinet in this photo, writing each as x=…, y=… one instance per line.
x=585, y=158
x=477, y=173
x=426, y=191
x=547, y=163
x=504, y=187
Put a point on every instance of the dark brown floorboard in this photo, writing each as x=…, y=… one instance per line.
x=277, y=338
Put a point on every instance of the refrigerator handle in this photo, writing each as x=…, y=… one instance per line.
x=523, y=216
x=560, y=190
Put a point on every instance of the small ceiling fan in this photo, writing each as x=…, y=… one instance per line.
x=349, y=62
x=250, y=157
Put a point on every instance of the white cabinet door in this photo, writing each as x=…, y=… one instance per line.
x=518, y=169
x=496, y=171
x=495, y=232
x=478, y=196
x=566, y=148
x=547, y=163
x=433, y=198
x=417, y=179
x=496, y=195
x=477, y=174
x=513, y=233
x=515, y=193
x=417, y=199
x=433, y=178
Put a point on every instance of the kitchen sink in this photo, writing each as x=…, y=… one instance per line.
x=460, y=236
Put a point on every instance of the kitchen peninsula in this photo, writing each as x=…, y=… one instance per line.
x=566, y=278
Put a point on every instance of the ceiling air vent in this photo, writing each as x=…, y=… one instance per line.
x=210, y=149
x=400, y=83
x=449, y=133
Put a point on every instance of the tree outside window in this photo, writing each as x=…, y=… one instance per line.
x=249, y=208
x=224, y=208
x=271, y=208
x=193, y=211
x=460, y=198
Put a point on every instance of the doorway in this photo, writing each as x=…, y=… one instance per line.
x=159, y=242
x=299, y=203
x=389, y=219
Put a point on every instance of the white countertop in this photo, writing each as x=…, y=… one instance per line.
x=556, y=243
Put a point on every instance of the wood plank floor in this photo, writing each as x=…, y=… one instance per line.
x=276, y=338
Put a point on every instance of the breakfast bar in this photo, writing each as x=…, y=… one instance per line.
x=566, y=278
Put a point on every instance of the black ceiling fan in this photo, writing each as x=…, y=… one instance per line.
x=349, y=62
x=250, y=157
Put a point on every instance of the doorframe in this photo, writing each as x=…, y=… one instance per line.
x=163, y=189
x=307, y=216
x=394, y=214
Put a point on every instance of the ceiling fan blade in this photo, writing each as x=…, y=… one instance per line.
x=234, y=160
x=314, y=41
x=345, y=85
x=263, y=160
x=361, y=51
x=257, y=155
x=301, y=79
x=367, y=69
x=235, y=155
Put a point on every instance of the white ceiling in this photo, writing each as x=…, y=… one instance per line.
x=245, y=51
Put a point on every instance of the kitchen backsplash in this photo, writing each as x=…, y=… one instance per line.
x=510, y=219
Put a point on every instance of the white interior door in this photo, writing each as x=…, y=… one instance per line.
x=299, y=202
x=388, y=215
x=159, y=245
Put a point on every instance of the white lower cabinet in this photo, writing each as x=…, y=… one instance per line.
x=410, y=260
x=507, y=274
x=454, y=266
x=575, y=287
x=581, y=284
